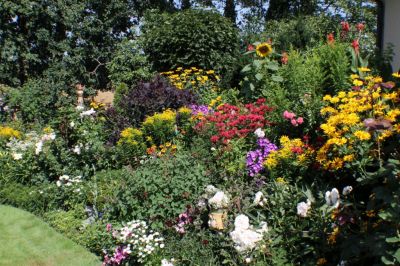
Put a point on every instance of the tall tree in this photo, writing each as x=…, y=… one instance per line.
x=230, y=10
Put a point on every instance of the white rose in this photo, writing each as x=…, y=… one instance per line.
x=219, y=200
x=242, y=222
x=258, y=198
x=332, y=198
x=58, y=183
x=303, y=208
x=259, y=133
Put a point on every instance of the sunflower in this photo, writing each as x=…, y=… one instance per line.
x=263, y=49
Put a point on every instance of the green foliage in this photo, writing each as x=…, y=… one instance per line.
x=128, y=65
x=195, y=38
x=335, y=62
x=299, y=32
x=160, y=189
x=38, y=99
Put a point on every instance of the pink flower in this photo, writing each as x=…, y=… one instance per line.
x=288, y=115
x=294, y=122
x=108, y=227
x=300, y=120
x=360, y=27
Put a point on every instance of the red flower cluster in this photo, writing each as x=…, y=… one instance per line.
x=230, y=121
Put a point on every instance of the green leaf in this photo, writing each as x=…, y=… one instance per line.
x=246, y=68
x=393, y=239
x=277, y=78
x=259, y=76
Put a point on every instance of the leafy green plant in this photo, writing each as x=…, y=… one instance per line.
x=160, y=189
x=192, y=38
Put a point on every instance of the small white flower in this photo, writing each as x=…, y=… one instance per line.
x=162, y=245
x=17, y=156
x=58, y=183
x=258, y=198
x=259, y=133
x=303, y=208
x=87, y=113
x=39, y=147
x=213, y=149
x=347, y=190
x=79, y=107
x=72, y=124
x=77, y=149
x=332, y=198
x=210, y=189
x=248, y=260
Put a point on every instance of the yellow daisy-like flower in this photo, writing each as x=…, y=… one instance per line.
x=396, y=74
x=354, y=76
x=362, y=135
x=364, y=69
x=357, y=82
x=264, y=49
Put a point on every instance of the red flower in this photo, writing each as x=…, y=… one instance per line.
x=331, y=38
x=214, y=139
x=250, y=47
x=356, y=46
x=297, y=150
x=345, y=26
x=360, y=27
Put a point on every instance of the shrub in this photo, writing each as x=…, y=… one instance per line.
x=193, y=38
x=147, y=98
x=160, y=189
x=128, y=65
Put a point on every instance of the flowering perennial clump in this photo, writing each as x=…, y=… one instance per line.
x=255, y=159
x=133, y=240
x=8, y=132
x=294, y=151
x=194, y=77
x=230, y=121
x=244, y=236
x=366, y=115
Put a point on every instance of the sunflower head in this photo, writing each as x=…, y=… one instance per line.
x=264, y=49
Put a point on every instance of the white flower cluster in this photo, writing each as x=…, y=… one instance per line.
x=244, y=236
x=19, y=147
x=139, y=239
x=65, y=180
x=332, y=197
x=259, y=199
x=45, y=138
x=217, y=199
x=303, y=208
x=166, y=262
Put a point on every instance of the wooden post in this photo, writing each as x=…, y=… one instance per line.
x=79, y=92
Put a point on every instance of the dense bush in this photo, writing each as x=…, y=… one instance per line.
x=193, y=38
x=160, y=189
x=147, y=98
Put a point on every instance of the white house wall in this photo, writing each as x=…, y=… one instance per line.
x=391, y=32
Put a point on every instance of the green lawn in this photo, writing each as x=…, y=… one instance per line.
x=26, y=240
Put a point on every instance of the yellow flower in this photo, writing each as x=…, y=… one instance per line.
x=396, y=74
x=357, y=82
x=354, y=76
x=8, y=132
x=335, y=100
x=364, y=69
x=185, y=110
x=210, y=72
x=263, y=49
x=348, y=158
x=327, y=97
x=281, y=180
x=362, y=135
x=332, y=237
x=284, y=140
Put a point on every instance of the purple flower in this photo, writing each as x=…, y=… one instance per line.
x=199, y=109
x=255, y=159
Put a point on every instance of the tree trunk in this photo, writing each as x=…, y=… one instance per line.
x=230, y=11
